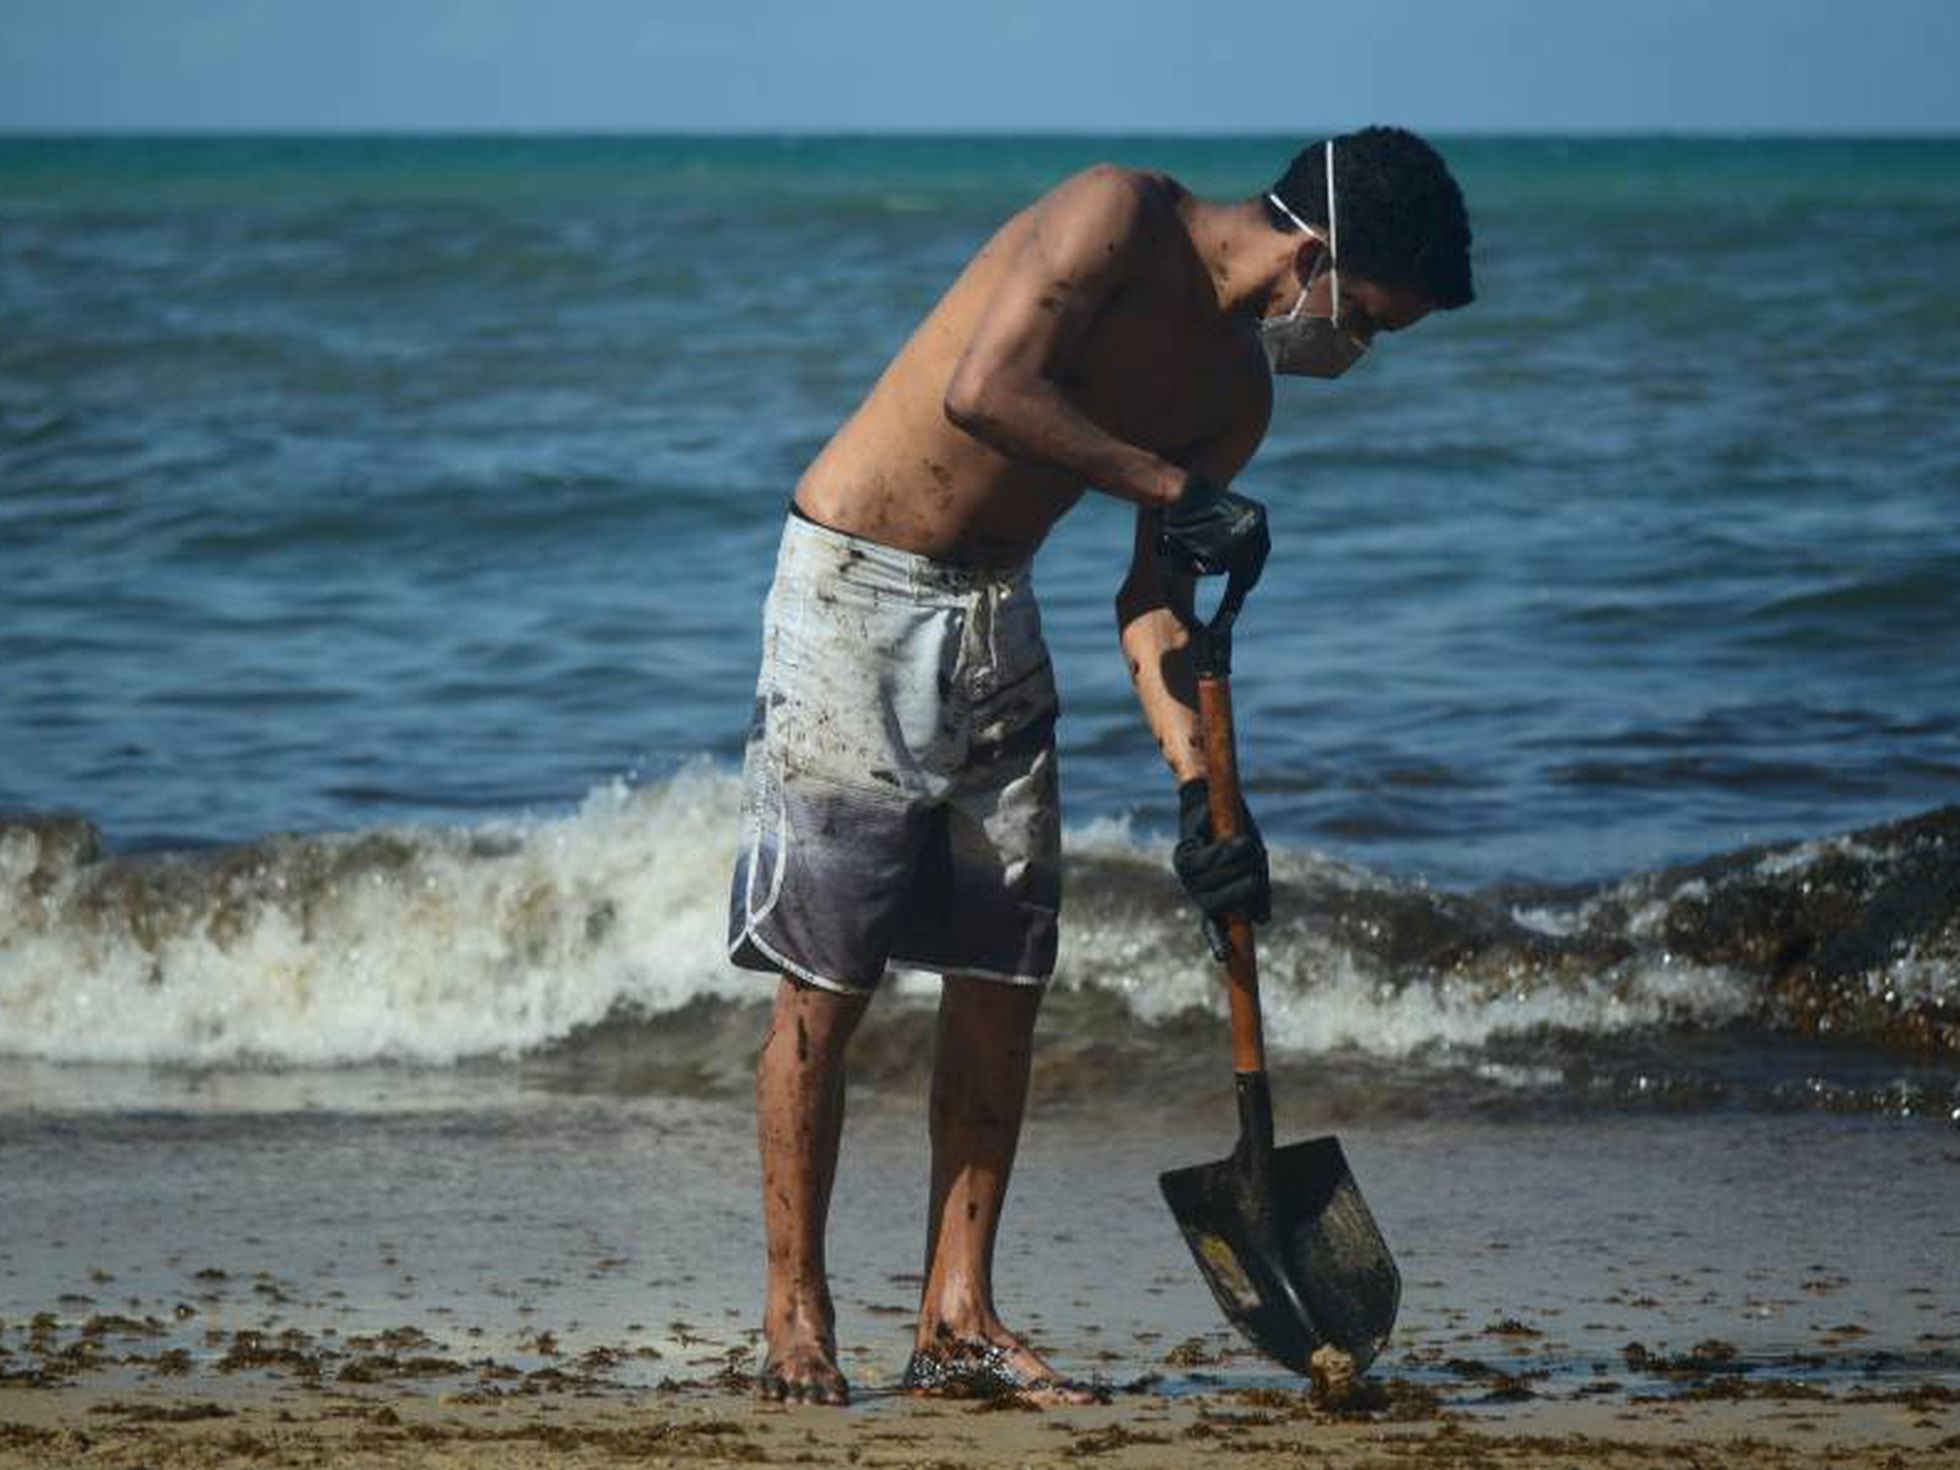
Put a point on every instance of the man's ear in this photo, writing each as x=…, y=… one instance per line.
x=1307, y=257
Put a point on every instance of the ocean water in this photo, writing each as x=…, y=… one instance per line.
x=384, y=525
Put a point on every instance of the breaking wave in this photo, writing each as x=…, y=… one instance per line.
x=600, y=932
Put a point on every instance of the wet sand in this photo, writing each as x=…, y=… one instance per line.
x=395, y=1424
x=394, y=1269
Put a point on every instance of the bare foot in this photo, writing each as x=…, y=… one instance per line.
x=801, y=1364
x=996, y=1365
x=804, y=1376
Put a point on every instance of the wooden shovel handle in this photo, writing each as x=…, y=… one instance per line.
x=1227, y=812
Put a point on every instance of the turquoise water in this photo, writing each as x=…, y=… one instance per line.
x=396, y=478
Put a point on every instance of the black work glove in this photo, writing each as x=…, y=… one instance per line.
x=1223, y=878
x=1208, y=530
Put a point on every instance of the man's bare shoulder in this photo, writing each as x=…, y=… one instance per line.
x=1116, y=187
x=1108, y=203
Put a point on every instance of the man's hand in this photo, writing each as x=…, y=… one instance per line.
x=1223, y=878
x=1207, y=530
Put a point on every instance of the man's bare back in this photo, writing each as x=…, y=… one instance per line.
x=1102, y=277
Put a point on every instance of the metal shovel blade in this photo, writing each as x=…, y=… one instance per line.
x=1286, y=1243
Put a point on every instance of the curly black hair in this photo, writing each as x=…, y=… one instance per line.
x=1402, y=219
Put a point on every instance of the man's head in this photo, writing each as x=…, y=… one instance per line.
x=1404, y=239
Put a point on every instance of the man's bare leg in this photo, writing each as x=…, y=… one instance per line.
x=799, y=1115
x=979, y=1093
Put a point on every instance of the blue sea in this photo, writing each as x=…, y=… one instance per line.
x=384, y=526
x=429, y=487
x=346, y=483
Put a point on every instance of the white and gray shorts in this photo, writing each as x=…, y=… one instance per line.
x=900, y=804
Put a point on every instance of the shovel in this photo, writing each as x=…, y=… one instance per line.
x=1282, y=1235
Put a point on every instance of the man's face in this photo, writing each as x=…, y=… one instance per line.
x=1315, y=336
x=1367, y=307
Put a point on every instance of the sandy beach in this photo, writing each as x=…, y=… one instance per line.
x=390, y=1277
x=568, y=1421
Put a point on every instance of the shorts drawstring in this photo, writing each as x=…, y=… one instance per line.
x=980, y=647
x=995, y=594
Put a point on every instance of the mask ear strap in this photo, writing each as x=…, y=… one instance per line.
x=1286, y=209
x=1312, y=234
x=1333, y=241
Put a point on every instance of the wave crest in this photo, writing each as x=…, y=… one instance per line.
x=430, y=945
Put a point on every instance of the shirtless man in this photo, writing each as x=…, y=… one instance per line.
x=900, y=803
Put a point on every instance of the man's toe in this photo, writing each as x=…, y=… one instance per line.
x=797, y=1379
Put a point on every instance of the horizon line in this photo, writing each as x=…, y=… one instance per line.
x=840, y=134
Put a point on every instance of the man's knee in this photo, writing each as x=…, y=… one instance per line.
x=816, y=1022
x=996, y=1002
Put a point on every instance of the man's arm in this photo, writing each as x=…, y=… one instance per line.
x=1154, y=641
x=1222, y=876
x=1086, y=238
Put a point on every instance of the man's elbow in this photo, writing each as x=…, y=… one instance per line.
x=972, y=404
x=994, y=403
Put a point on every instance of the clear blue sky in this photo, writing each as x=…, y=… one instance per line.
x=1283, y=66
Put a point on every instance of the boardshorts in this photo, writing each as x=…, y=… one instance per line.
x=899, y=800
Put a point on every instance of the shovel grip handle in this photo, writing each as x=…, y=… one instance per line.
x=1227, y=809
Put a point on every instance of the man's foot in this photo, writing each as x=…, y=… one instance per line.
x=997, y=1367
x=804, y=1373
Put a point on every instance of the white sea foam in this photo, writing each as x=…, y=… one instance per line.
x=490, y=940
x=1805, y=855
x=432, y=944
x=1319, y=997
x=1556, y=920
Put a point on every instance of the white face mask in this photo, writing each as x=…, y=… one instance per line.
x=1313, y=346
